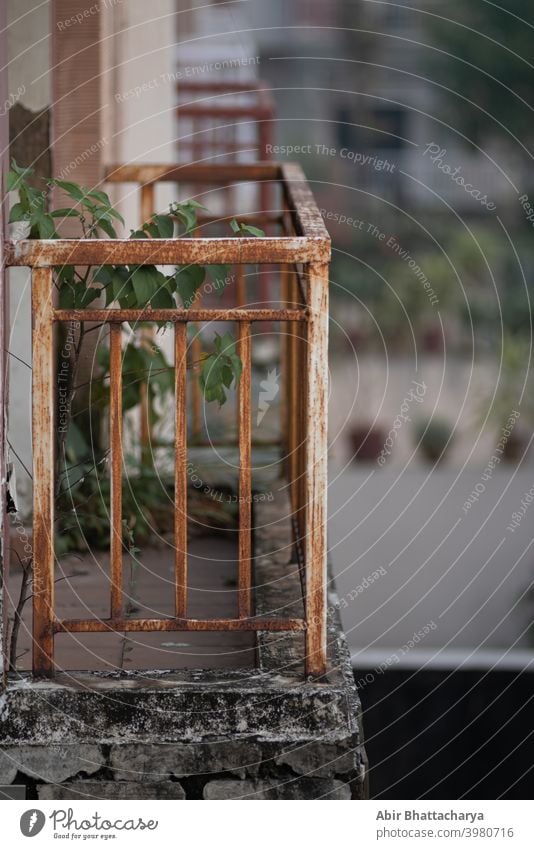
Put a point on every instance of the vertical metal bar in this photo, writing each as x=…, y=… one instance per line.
x=286, y=328
x=264, y=137
x=196, y=351
x=196, y=400
x=316, y=468
x=147, y=202
x=300, y=429
x=245, y=473
x=241, y=294
x=296, y=384
x=43, y=438
x=115, y=440
x=147, y=211
x=240, y=297
x=180, y=467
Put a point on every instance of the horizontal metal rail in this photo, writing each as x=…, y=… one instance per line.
x=46, y=253
x=177, y=316
x=80, y=626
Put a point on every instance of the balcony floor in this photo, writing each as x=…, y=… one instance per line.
x=83, y=592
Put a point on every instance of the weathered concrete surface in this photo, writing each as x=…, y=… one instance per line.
x=111, y=790
x=50, y=763
x=155, y=762
x=261, y=733
x=301, y=788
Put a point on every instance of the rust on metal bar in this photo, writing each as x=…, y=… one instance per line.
x=196, y=399
x=210, y=250
x=180, y=469
x=115, y=440
x=316, y=469
x=148, y=206
x=196, y=352
x=178, y=315
x=301, y=202
x=245, y=474
x=241, y=295
x=148, y=209
x=285, y=415
x=43, y=438
x=295, y=381
x=80, y=626
x=193, y=173
x=300, y=414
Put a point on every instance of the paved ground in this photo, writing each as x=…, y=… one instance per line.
x=466, y=571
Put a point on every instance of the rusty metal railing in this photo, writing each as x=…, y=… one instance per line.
x=302, y=252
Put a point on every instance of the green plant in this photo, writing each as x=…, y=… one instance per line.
x=434, y=437
x=82, y=482
x=132, y=286
x=508, y=403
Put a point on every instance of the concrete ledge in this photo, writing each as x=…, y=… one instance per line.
x=111, y=790
x=302, y=788
x=264, y=733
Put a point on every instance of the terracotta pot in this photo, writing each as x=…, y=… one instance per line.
x=366, y=442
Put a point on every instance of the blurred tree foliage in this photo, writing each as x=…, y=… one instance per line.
x=483, y=53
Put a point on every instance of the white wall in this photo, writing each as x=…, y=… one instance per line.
x=28, y=49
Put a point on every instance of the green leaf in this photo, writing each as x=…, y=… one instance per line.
x=189, y=279
x=245, y=229
x=67, y=212
x=186, y=213
x=72, y=189
x=123, y=289
x=146, y=281
x=165, y=226
x=114, y=214
x=45, y=225
x=162, y=299
x=211, y=379
x=104, y=274
x=252, y=231
x=88, y=296
x=76, y=296
x=103, y=223
x=18, y=213
x=16, y=176
x=220, y=276
x=67, y=297
x=77, y=447
x=12, y=181
x=152, y=230
x=65, y=274
x=21, y=170
x=100, y=196
x=220, y=369
x=225, y=344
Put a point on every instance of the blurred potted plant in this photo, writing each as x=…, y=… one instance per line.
x=366, y=441
x=513, y=395
x=434, y=438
